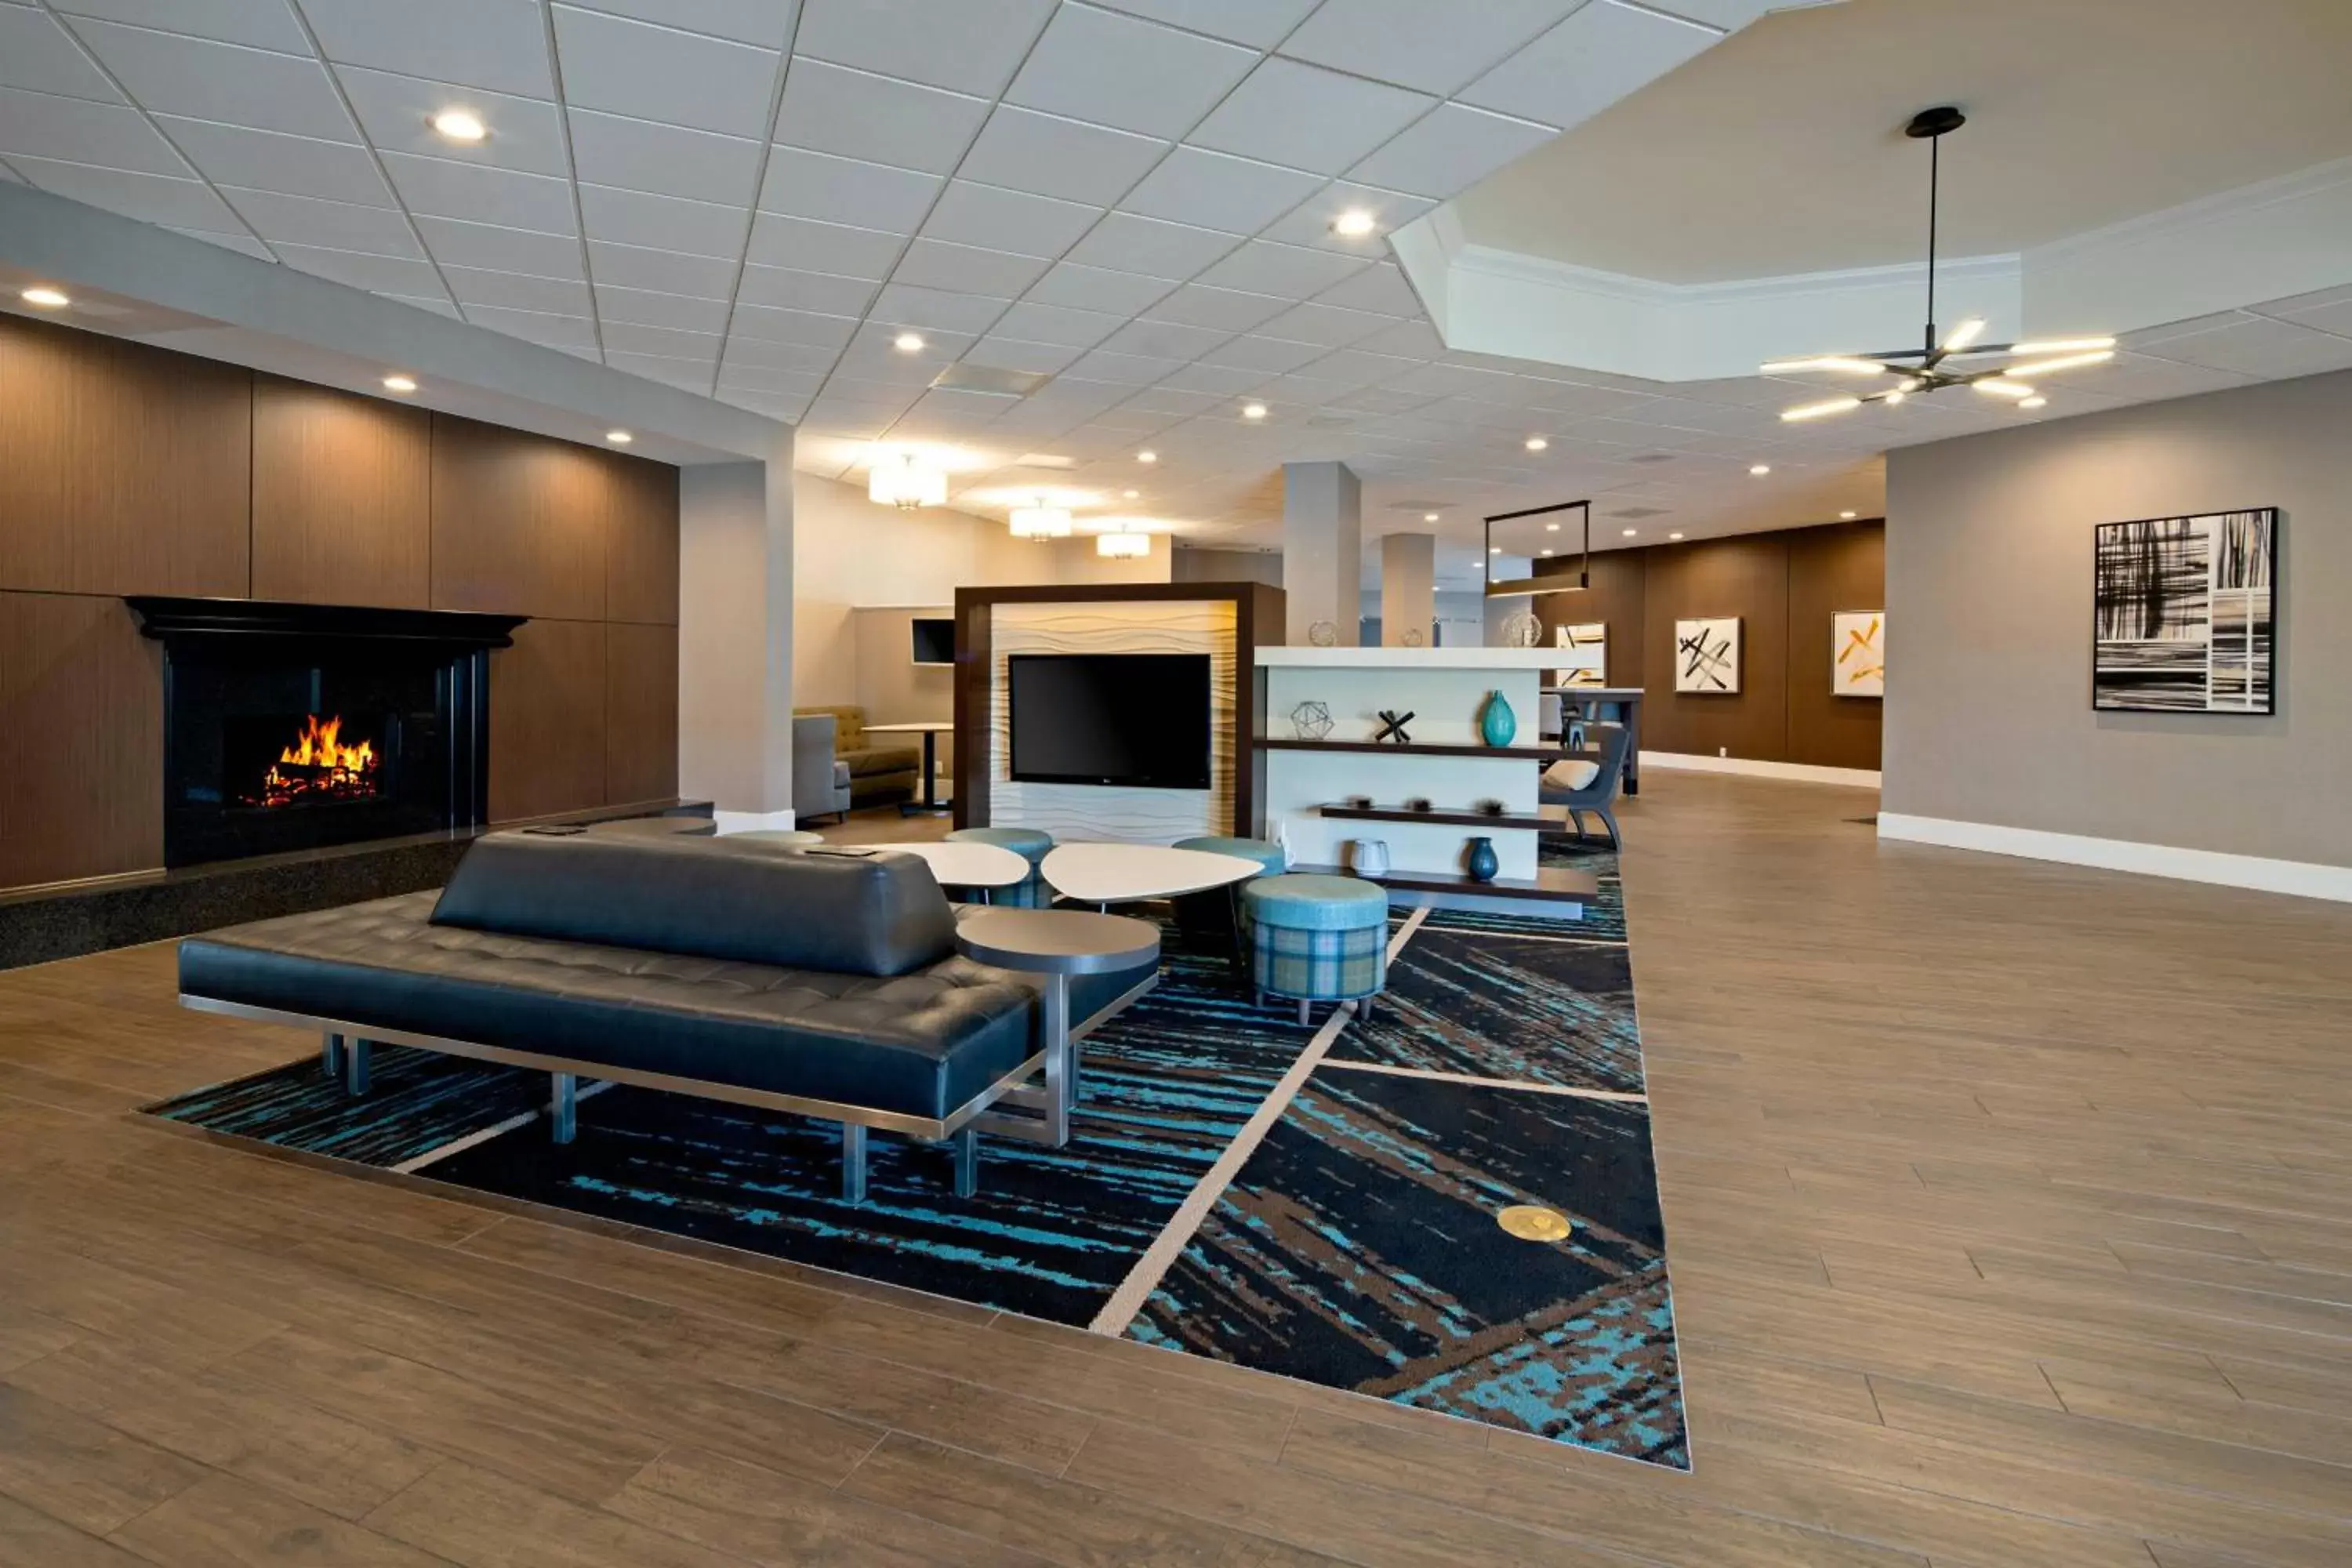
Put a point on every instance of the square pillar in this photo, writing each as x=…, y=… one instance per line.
x=1408, y=589
x=735, y=638
x=1322, y=550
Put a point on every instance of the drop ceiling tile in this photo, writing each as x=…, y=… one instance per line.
x=1727, y=15
x=967, y=269
x=1218, y=191
x=1119, y=72
x=377, y=274
x=1013, y=353
x=263, y=23
x=500, y=45
x=267, y=161
x=455, y=243
x=1165, y=340
x=1601, y=53
x=801, y=183
x=1218, y=381
x=396, y=111
x=997, y=219
x=1023, y=149
x=243, y=244
x=1355, y=368
x=659, y=73
x=2250, y=345
x=650, y=308
x=1124, y=242
x=803, y=384
x=1448, y=151
x=903, y=305
x=439, y=307
x=1261, y=23
x=1120, y=370
x=630, y=337
x=856, y=114
x=151, y=198
x=661, y=272
x=482, y=192
x=689, y=375
x=1289, y=271
x=36, y=52
x=170, y=73
x=667, y=160
x=1097, y=289
x=1435, y=49
x=972, y=46
x=786, y=287
x=1305, y=117
x=332, y=225
x=1227, y=310
x=1034, y=320
x=2323, y=313
x=1411, y=339
x=1326, y=324
x=662, y=223
x=767, y=23
x=75, y=131
x=535, y=326
x=753, y=354
x=767, y=324
x=513, y=291
x=1309, y=223
x=839, y=250
x=1381, y=289
x=1275, y=356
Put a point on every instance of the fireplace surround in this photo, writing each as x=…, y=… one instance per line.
x=289, y=726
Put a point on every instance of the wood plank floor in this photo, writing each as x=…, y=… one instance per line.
x=2010, y=1217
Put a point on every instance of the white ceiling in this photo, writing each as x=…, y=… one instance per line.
x=751, y=199
x=1782, y=151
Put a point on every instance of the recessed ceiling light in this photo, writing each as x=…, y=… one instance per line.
x=1147, y=456
x=1353, y=224
x=908, y=343
x=400, y=384
x=1673, y=536
x=1543, y=552
x=1131, y=494
x=1551, y=528
x=1847, y=515
x=1252, y=410
x=460, y=125
x=1429, y=517
x=619, y=438
x=1759, y=469
x=1494, y=550
x=45, y=298
x=1536, y=443
x=2034, y=403
x=1629, y=533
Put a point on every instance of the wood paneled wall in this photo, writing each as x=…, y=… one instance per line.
x=131, y=469
x=1783, y=586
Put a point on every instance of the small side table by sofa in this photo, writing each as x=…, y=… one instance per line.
x=1058, y=944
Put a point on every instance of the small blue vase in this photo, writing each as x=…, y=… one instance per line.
x=1497, y=722
x=1483, y=865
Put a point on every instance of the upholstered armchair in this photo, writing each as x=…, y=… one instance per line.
x=1584, y=783
x=820, y=779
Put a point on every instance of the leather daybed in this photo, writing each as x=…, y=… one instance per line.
x=820, y=983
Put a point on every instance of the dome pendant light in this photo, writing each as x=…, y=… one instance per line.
x=906, y=482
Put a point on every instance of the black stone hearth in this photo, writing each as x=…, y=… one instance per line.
x=299, y=727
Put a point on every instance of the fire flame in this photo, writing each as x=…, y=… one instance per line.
x=320, y=748
x=319, y=766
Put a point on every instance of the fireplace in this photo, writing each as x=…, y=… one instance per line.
x=291, y=727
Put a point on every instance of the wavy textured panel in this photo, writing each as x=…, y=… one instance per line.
x=1085, y=811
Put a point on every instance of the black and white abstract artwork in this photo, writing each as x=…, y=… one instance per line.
x=1706, y=656
x=2183, y=614
x=1588, y=664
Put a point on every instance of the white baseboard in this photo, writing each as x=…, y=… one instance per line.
x=2301, y=878
x=1800, y=773
x=744, y=821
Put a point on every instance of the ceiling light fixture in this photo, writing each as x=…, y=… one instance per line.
x=460, y=125
x=45, y=298
x=1494, y=550
x=1629, y=533
x=1353, y=224
x=1673, y=536
x=1040, y=521
x=1536, y=443
x=1543, y=552
x=1759, y=469
x=1131, y=494
x=1551, y=528
x=906, y=481
x=1149, y=456
x=1429, y=517
x=1923, y=368
x=1252, y=410
x=908, y=343
x=1123, y=545
x=1847, y=515
x=619, y=438
x=2036, y=401
x=400, y=384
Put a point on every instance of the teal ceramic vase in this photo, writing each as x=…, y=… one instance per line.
x=1481, y=864
x=1497, y=722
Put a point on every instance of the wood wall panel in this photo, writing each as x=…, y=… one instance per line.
x=547, y=721
x=641, y=542
x=1831, y=569
x=342, y=498
x=519, y=523
x=1745, y=576
x=1614, y=599
x=640, y=713
x=123, y=469
x=81, y=740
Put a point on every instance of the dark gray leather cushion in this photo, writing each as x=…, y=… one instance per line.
x=921, y=1043
x=875, y=915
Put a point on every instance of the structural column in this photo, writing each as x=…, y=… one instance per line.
x=1322, y=550
x=1408, y=589
x=735, y=638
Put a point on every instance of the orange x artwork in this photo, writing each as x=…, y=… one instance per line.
x=1859, y=666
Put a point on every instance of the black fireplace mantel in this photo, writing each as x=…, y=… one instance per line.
x=169, y=620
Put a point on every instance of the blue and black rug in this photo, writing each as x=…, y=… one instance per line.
x=1356, y=1245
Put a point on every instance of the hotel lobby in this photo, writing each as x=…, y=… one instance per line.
x=1101, y=782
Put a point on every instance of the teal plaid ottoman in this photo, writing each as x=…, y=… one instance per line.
x=1317, y=939
x=1031, y=844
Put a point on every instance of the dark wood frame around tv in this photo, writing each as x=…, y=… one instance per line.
x=1258, y=620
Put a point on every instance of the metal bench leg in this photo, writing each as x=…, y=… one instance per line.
x=356, y=1065
x=853, y=1164
x=330, y=1055
x=1061, y=1061
x=966, y=1162
x=563, y=1110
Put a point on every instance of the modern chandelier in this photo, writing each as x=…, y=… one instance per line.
x=1931, y=367
x=906, y=481
x=1040, y=521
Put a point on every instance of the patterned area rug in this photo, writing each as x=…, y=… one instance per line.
x=1356, y=1245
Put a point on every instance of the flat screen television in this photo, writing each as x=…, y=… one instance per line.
x=1137, y=720
x=934, y=639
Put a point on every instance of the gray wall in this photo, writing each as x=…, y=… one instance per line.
x=1189, y=565
x=1989, y=544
